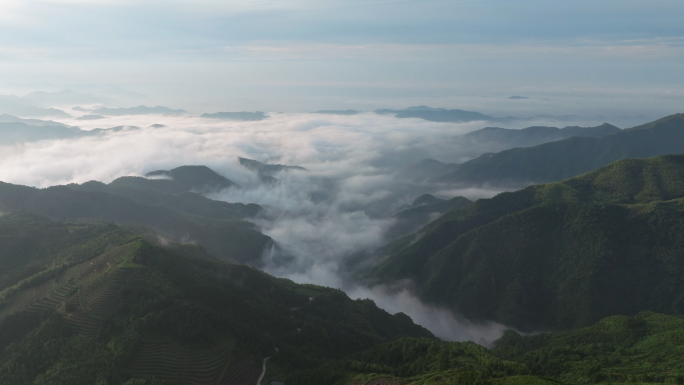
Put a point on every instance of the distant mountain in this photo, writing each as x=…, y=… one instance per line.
x=5, y=118
x=14, y=105
x=237, y=116
x=566, y=158
x=188, y=178
x=532, y=136
x=558, y=255
x=15, y=130
x=266, y=171
x=602, y=353
x=139, y=110
x=461, y=116
x=423, y=210
x=90, y=117
x=13, y=133
x=517, y=97
x=438, y=114
x=168, y=206
x=64, y=97
x=337, y=112
x=410, y=109
x=494, y=139
x=265, y=168
x=86, y=304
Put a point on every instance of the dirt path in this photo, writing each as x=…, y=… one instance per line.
x=263, y=371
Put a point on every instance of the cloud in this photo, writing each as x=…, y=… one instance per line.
x=441, y=322
x=322, y=218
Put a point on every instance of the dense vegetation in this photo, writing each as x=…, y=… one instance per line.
x=421, y=211
x=100, y=304
x=646, y=348
x=559, y=255
x=168, y=205
x=566, y=158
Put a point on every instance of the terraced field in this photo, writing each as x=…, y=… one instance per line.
x=80, y=321
x=193, y=367
x=101, y=297
x=89, y=269
x=43, y=297
x=52, y=293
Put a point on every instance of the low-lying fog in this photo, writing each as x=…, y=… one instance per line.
x=341, y=205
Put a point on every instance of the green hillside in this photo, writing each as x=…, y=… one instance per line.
x=421, y=211
x=559, y=255
x=566, y=158
x=98, y=304
x=168, y=206
x=646, y=348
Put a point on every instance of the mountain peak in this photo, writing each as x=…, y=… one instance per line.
x=195, y=177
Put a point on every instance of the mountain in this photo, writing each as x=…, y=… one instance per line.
x=187, y=178
x=642, y=349
x=438, y=114
x=237, y=116
x=566, y=158
x=90, y=117
x=410, y=109
x=5, y=118
x=495, y=139
x=559, y=255
x=337, y=112
x=98, y=304
x=422, y=211
x=167, y=206
x=16, y=130
x=139, y=110
x=531, y=136
x=266, y=171
x=14, y=105
x=13, y=133
x=461, y=116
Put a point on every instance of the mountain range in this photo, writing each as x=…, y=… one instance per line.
x=139, y=110
x=170, y=207
x=237, y=116
x=146, y=281
x=555, y=161
x=461, y=116
x=98, y=303
x=554, y=256
x=489, y=140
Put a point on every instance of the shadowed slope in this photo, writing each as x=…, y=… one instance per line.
x=573, y=156
x=558, y=255
x=174, y=312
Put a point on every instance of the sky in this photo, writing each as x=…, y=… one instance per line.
x=581, y=57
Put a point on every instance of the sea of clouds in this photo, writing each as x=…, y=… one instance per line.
x=340, y=206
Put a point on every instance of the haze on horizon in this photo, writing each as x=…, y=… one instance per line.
x=582, y=57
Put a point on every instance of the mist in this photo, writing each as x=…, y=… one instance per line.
x=321, y=218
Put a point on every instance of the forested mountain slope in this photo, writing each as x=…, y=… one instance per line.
x=646, y=348
x=558, y=255
x=167, y=205
x=98, y=304
x=566, y=158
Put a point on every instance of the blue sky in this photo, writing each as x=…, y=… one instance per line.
x=305, y=54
